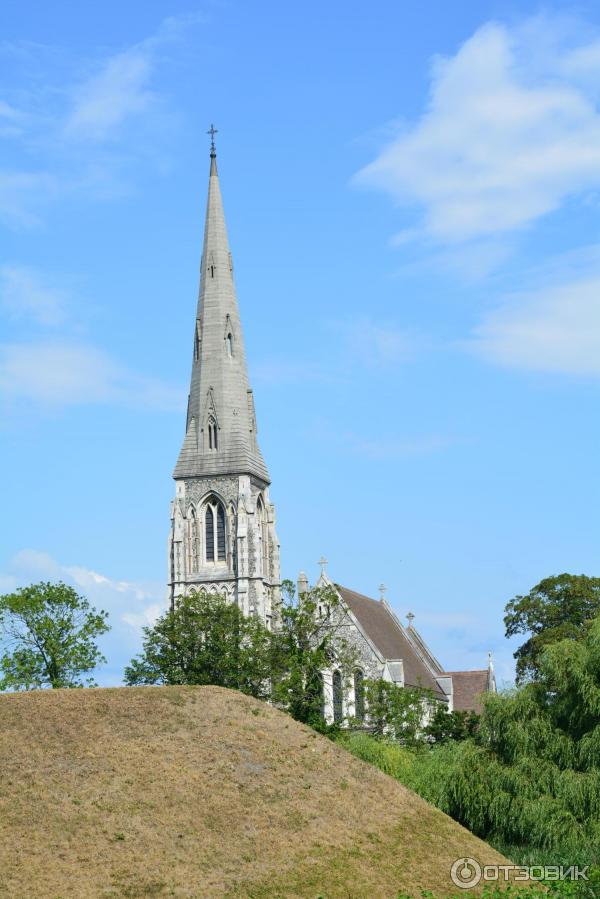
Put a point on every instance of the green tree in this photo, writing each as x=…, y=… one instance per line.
x=205, y=640
x=397, y=712
x=558, y=608
x=48, y=635
x=457, y=725
x=308, y=638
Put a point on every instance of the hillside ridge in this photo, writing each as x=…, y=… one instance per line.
x=203, y=792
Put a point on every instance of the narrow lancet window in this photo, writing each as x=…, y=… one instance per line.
x=210, y=534
x=359, y=695
x=338, y=698
x=221, y=533
x=229, y=344
x=212, y=433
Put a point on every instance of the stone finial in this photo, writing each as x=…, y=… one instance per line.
x=410, y=618
x=302, y=584
x=323, y=563
x=382, y=588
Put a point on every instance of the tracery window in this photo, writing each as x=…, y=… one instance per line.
x=215, y=531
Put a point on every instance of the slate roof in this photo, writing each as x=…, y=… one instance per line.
x=468, y=687
x=388, y=635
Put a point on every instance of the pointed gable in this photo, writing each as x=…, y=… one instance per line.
x=389, y=638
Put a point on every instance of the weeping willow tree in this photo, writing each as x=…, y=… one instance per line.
x=530, y=779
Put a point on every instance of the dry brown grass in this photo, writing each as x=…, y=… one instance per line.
x=200, y=791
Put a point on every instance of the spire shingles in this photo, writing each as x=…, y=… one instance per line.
x=220, y=390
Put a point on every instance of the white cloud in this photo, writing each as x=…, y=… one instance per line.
x=555, y=329
x=67, y=374
x=24, y=294
x=118, y=91
x=509, y=133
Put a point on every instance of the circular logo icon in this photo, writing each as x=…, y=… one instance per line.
x=465, y=873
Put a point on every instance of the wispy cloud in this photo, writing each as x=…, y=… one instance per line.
x=87, y=133
x=510, y=131
x=120, y=90
x=378, y=343
x=554, y=329
x=56, y=375
x=24, y=293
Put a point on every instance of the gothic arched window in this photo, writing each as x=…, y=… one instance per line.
x=215, y=531
x=338, y=698
x=212, y=433
x=359, y=695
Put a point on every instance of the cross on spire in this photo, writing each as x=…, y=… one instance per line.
x=212, y=131
x=411, y=618
x=382, y=588
x=323, y=564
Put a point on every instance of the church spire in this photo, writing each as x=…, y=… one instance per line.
x=221, y=426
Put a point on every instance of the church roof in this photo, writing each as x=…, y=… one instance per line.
x=467, y=687
x=221, y=424
x=389, y=638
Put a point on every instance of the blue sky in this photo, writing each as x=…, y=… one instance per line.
x=412, y=196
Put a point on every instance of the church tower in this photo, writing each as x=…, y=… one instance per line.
x=222, y=535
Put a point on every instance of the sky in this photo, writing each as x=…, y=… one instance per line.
x=413, y=201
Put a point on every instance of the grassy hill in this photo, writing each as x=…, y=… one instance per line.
x=200, y=791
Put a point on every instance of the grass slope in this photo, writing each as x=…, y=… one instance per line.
x=202, y=791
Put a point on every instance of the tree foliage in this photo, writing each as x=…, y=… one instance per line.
x=457, y=725
x=558, y=608
x=398, y=712
x=309, y=636
x=205, y=640
x=48, y=637
x=529, y=780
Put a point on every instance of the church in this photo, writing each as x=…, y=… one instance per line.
x=223, y=535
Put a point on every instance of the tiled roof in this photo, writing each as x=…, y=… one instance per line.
x=389, y=638
x=468, y=687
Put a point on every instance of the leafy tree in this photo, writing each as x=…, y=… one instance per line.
x=529, y=781
x=558, y=608
x=309, y=636
x=397, y=712
x=457, y=725
x=48, y=633
x=205, y=640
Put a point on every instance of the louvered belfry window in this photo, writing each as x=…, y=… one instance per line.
x=338, y=698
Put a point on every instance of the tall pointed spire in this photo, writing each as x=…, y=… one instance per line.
x=221, y=425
